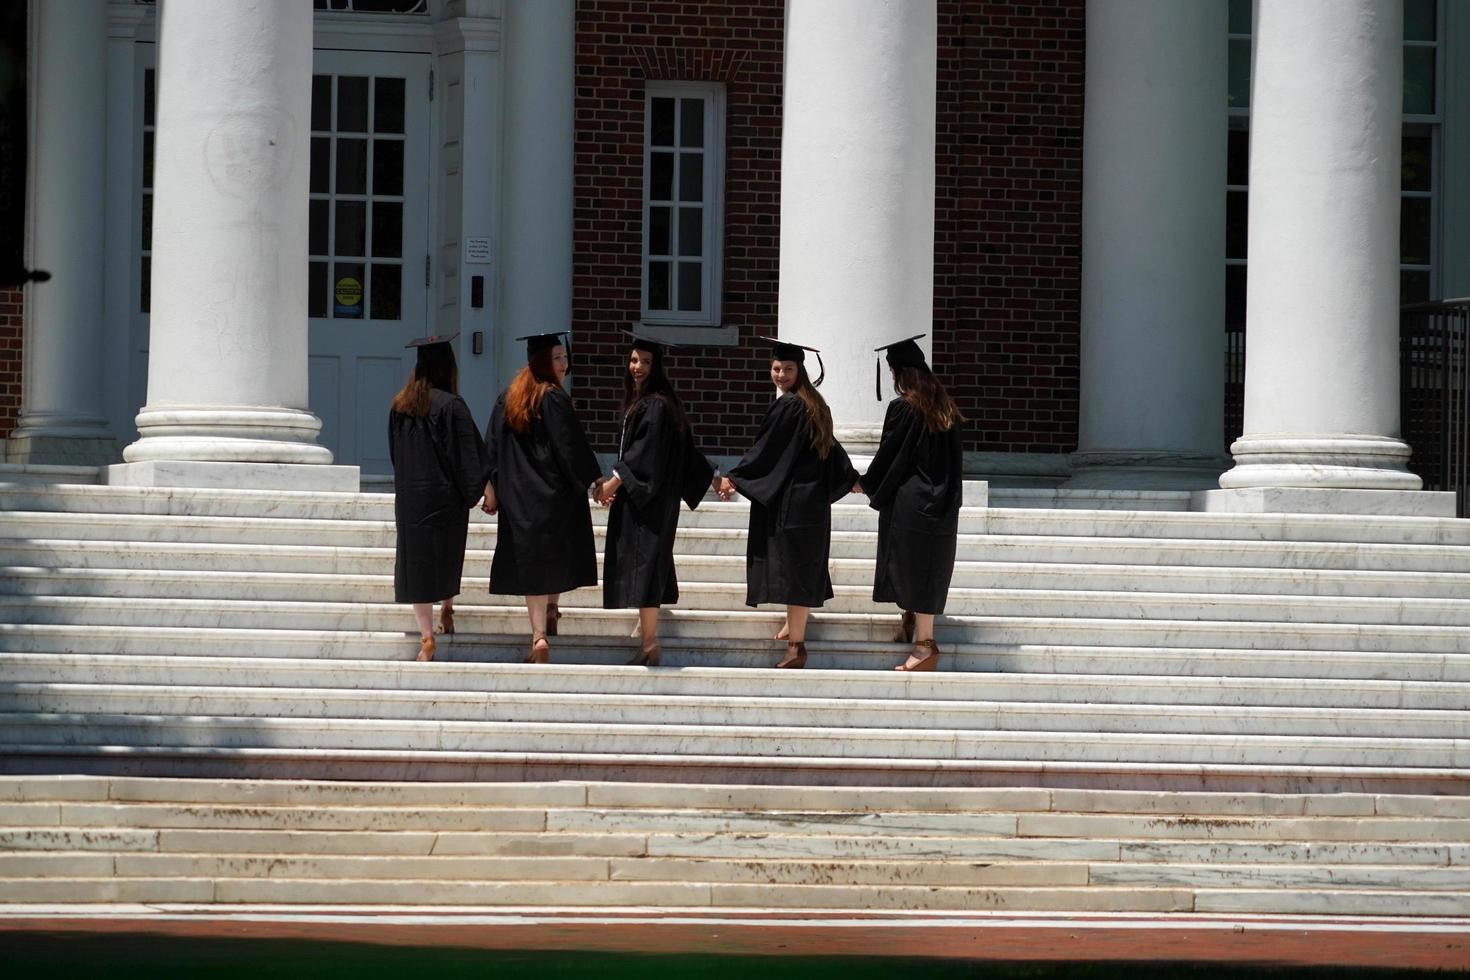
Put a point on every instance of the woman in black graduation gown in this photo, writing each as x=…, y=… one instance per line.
x=540, y=468
x=791, y=476
x=657, y=467
x=916, y=483
x=438, y=470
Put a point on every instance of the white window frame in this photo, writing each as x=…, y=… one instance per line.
x=708, y=317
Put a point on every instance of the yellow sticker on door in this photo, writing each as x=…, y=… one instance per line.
x=349, y=297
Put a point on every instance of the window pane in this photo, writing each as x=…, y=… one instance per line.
x=351, y=228
x=1419, y=80
x=658, y=285
x=347, y=291
x=691, y=122
x=661, y=131
x=352, y=104
x=145, y=285
x=1419, y=20
x=321, y=164
x=388, y=167
x=1239, y=87
x=661, y=186
x=691, y=176
x=691, y=231
x=147, y=222
x=1414, y=286
x=1240, y=16
x=316, y=289
x=1417, y=163
x=317, y=239
x=1414, y=231
x=351, y=166
x=387, y=299
x=321, y=103
x=388, y=106
x=387, y=229
x=689, y=285
x=150, y=95
x=1235, y=297
x=658, y=231
x=1238, y=159
x=148, y=159
x=1235, y=224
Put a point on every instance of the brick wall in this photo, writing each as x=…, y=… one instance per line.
x=1007, y=222
x=10, y=336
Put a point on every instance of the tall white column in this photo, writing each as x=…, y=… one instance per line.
x=227, y=370
x=1322, y=373
x=536, y=272
x=62, y=412
x=857, y=191
x=1153, y=246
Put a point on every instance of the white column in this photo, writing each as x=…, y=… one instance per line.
x=62, y=412
x=536, y=244
x=227, y=367
x=1322, y=372
x=1153, y=246
x=857, y=191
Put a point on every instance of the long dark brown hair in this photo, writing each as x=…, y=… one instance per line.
x=527, y=388
x=919, y=387
x=656, y=386
x=818, y=415
x=436, y=368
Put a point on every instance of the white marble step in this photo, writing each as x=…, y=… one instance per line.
x=849, y=714
x=826, y=627
x=500, y=679
x=265, y=587
x=26, y=733
x=1020, y=574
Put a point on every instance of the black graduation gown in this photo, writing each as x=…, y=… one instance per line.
x=916, y=483
x=659, y=465
x=791, y=491
x=543, y=542
x=438, y=475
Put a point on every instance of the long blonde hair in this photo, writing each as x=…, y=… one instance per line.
x=818, y=415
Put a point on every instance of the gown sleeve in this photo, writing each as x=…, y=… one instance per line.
x=839, y=473
x=651, y=440
x=492, y=443
x=766, y=467
x=574, y=455
x=467, y=450
x=893, y=462
x=698, y=471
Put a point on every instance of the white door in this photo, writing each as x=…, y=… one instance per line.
x=369, y=242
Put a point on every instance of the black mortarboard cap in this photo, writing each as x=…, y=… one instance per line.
x=900, y=353
x=782, y=350
x=432, y=340
x=640, y=341
x=537, y=342
x=433, y=347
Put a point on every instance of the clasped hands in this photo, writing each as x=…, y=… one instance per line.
x=605, y=490
x=489, y=503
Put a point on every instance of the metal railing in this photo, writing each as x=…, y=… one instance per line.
x=1434, y=388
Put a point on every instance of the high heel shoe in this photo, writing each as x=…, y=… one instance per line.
x=540, y=650
x=648, y=656
x=921, y=661
x=795, y=658
x=446, y=622
x=553, y=613
x=905, y=633
x=426, y=650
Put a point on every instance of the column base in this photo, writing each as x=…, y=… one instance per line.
x=1145, y=470
x=1326, y=500
x=234, y=476
x=60, y=450
x=859, y=440
x=1341, y=462
x=227, y=434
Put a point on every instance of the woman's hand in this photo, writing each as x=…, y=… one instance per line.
x=489, y=504
x=725, y=488
x=857, y=487
x=608, y=490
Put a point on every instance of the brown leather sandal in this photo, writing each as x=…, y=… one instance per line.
x=426, y=650
x=648, y=656
x=553, y=613
x=905, y=632
x=540, y=650
x=446, y=622
x=922, y=661
x=795, y=655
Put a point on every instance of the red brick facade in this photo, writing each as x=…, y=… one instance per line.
x=10, y=338
x=1007, y=221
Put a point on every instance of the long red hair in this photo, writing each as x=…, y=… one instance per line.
x=527, y=388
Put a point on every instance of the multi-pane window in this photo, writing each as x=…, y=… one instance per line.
x=683, y=203
x=356, y=203
x=145, y=265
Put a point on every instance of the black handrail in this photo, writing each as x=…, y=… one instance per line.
x=1434, y=391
